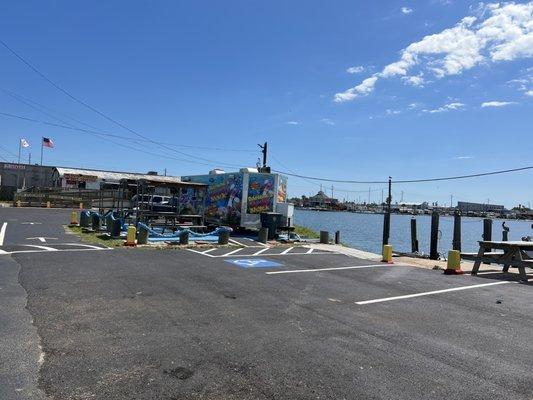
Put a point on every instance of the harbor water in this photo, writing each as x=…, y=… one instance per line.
x=365, y=231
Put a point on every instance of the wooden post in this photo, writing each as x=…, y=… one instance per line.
x=487, y=233
x=337, y=237
x=414, y=240
x=386, y=218
x=487, y=229
x=456, y=244
x=386, y=228
x=433, y=249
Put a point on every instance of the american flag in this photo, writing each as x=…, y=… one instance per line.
x=47, y=142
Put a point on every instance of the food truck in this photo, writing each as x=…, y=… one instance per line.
x=237, y=199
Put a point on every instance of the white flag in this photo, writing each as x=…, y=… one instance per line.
x=24, y=143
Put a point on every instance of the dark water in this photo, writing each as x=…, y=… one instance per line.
x=365, y=231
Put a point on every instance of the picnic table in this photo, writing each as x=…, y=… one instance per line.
x=510, y=254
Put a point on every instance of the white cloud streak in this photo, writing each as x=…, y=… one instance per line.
x=497, y=103
x=355, y=70
x=447, y=107
x=503, y=32
x=327, y=121
x=406, y=10
x=292, y=123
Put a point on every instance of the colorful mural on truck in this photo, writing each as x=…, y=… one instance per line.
x=223, y=197
x=282, y=189
x=260, y=193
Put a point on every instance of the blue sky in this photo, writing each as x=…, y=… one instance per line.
x=345, y=90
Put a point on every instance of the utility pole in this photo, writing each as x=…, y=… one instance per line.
x=264, y=150
x=451, y=200
x=381, y=198
x=368, y=195
x=386, y=219
x=401, y=200
x=332, y=191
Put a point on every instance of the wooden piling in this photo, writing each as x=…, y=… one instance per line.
x=487, y=232
x=456, y=243
x=386, y=228
x=433, y=249
x=414, y=240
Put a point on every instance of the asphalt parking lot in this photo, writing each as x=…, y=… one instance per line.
x=254, y=324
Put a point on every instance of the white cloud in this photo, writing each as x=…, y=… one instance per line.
x=355, y=70
x=363, y=89
x=446, y=107
x=292, y=123
x=414, y=105
x=529, y=93
x=501, y=32
x=327, y=121
x=464, y=157
x=393, y=112
x=497, y=103
x=415, y=80
x=406, y=10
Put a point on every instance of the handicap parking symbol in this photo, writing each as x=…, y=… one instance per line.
x=254, y=263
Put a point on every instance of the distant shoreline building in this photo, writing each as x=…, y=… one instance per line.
x=467, y=207
x=320, y=200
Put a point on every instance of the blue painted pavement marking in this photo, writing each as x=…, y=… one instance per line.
x=254, y=263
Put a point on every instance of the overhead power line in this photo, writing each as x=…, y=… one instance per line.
x=449, y=178
x=76, y=99
x=50, y=112
x=122, y=144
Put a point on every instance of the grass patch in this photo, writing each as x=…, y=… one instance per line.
x=305, y=232
x=95, y=238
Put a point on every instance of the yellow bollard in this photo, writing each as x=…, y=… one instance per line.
x=453, y=267
x=81, y=206
x=387, y=254
x=73, y=218
x=130, y=237
x=48, y=205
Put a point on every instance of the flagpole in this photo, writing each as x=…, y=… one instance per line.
x=20, y=148
x=42, y=147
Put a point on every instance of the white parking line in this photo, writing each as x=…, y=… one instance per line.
x=3, y=233
x=208, y=250
x=260, y=251
x=286, y=251
x=309, y=251
x=90, y=246
x=408, y=296
x=294, y=271
x=232, y=252
x=47, y=251
x=41, y=247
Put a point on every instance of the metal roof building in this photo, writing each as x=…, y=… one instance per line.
x=92, y=178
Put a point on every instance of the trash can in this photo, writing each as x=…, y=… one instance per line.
x=142, y=235
x=272, y=221
x=223, y=236
x=96, y=221
x=85, y=217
